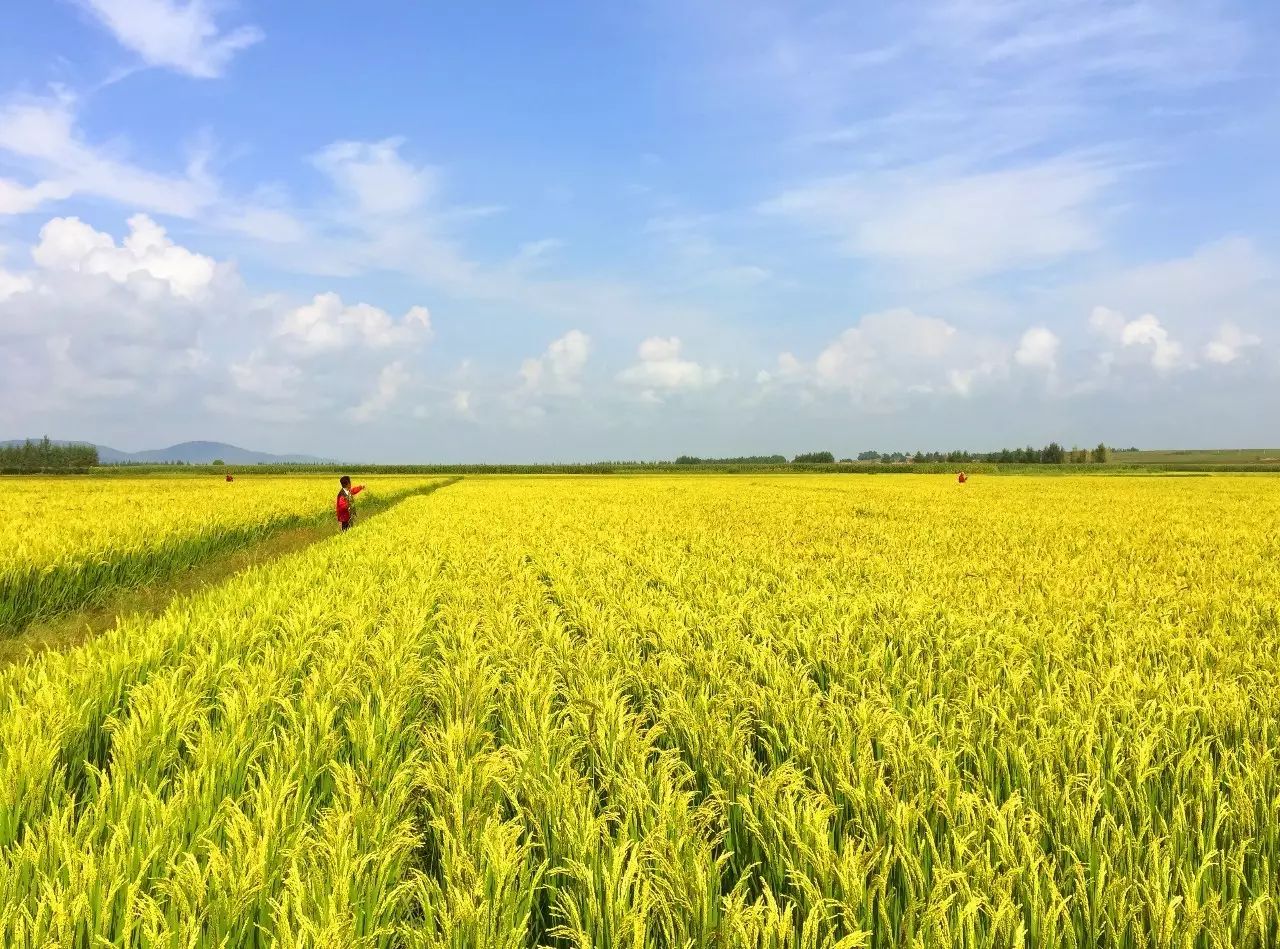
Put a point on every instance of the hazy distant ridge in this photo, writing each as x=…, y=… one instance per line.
x=195, y=453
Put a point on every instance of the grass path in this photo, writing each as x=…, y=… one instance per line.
x=71, y=629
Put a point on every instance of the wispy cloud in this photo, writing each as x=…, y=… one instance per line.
x=960, y=226
x=182, y=35
x=42, y=138
x=42, y=135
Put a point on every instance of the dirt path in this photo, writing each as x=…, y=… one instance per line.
x=72, y=629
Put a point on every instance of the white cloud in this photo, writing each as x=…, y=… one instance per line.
x=272, y=225
x=662, y=368
x=332, y=357
x=96, y=321
x=1107, y=322
x=660, y=349
x=178, y=35
x=957, y=226
x=381, y=219
x=106, y=328
x=534, y=254
x=18, y=199
x=1144, y=334
x=897, y=354
x=1121, y=40
x=788, y=368
x=1227, y=345
x=41, y=138
x=391, y=380
x=1230, y=277
x=1037, y=348
x=559, y=368
x=70, y=244
x=12, y=284
x=1147, y=331
x=41, y=134
x=326, y=324
x=376, y=178
x=461, y=402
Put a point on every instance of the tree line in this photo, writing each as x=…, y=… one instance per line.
x=46, y=455
x=744, y=460
x=1051, y=454
x=811, y=458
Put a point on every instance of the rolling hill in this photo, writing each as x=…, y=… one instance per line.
x=195, y=453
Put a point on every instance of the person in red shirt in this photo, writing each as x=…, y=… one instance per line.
x=962, y=478
x=346, y=497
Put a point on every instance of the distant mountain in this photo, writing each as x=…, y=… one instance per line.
x=203, y=453
x=196, y=453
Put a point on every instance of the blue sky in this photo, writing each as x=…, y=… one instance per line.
x=580, y=231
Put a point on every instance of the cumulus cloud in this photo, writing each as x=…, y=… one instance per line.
x=1226, y=347
x=103, y=320
x=1038, y=348
x=898, y=353
x=100, y=324
x=1107, y=323
x=327, y=325
x=67, y=243
x=661, y=368
x=1146, y=331
x=1145, y=334
x=391, y=380
x=178, y=35
x=559, y=368
x=275, y=383
x=327, y=356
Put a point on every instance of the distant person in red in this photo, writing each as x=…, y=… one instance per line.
x=346, y=498
x=229, y=478
x=962, y=478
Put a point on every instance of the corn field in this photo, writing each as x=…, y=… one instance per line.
x=681, y=712
x=71, y=542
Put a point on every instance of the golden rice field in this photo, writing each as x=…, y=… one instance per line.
x=680, y=712
x=69, y=542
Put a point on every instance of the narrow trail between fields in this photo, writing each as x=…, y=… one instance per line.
x=71, y=629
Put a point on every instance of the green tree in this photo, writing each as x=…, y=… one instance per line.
x=1101, y=454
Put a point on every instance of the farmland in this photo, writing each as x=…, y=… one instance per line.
x=752, y=711
x=72, y=542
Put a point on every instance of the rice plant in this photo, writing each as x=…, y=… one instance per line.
x=73, y=541
x=680, y=712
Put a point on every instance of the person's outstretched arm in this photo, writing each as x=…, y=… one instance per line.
x=357, y=489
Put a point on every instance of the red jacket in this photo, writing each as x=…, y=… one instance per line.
x=344, y=502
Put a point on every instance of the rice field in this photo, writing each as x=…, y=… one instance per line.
x=793, y=711
x=70, y=542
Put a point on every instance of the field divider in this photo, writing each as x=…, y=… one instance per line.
x=67, y=628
